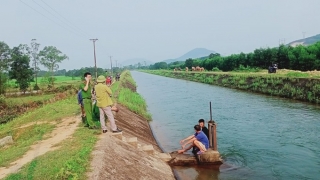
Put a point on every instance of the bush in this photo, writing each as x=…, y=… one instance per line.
x=2, y=100
x=3, y=83
x=216, y=69
x=242, y=68
x=36, y=87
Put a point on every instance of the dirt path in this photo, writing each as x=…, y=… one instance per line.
x=63, y=130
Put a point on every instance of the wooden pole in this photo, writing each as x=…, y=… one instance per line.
x=210, y=112
x=210, y=134
x=215, y=143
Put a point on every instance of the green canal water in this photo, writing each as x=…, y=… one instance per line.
x=259, y=137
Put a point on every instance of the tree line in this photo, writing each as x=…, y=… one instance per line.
x=100, y=71
x=304, y=58
x=15, y=63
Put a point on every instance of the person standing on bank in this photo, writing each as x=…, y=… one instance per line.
x=87, y=104
x=104, y=102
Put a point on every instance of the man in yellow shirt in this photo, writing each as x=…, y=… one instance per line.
x=104, y=102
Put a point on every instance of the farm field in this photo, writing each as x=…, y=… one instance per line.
x=28, y=99
x=280, y=73
x=43, y=83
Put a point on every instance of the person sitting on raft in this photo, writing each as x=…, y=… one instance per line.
x=203, y=127
x=199, y=139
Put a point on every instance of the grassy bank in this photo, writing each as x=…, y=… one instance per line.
x=125, y=91
x=293, y=85
x=71, y=161
x=14, y=106
x=25, y=137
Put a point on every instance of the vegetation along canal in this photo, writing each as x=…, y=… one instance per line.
x=261, y=137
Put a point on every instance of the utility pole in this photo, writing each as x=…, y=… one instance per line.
x=94, y=54
x=282, y=41
x=111, y=64
x=35, y=46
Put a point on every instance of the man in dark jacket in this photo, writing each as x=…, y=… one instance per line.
x=203, y=127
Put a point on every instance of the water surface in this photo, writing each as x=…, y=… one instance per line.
x=261, y=137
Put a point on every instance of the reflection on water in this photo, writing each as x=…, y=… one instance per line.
x=259, y=137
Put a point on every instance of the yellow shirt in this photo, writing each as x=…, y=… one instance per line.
x=103, y=93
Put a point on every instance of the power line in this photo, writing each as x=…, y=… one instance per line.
x=111, y=64
x=48, y=17
x=57, y=17
x=64, y=18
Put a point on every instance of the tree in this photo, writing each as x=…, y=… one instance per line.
x=189, y=63
x=4, y=65
x=50, y=56
x=3, y=85
x=160, y=65
x=20, y=69
x=212, y=55
x=4, y=56
x=35, y=60
x=283, y=59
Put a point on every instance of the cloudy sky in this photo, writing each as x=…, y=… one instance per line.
x=154, y=30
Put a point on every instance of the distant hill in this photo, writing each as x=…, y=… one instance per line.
x=195, y=53
x=136, y=61
x=306, y=41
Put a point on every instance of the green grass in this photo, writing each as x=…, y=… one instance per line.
x=298, y=74
x=24, y=138
x=134, y=102
x=115, y=87
x=60, y=81
x=28, y=99
x=254, y=73
x=70, y=161
x=126, y=76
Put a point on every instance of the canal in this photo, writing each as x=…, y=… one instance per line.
x=260, y=137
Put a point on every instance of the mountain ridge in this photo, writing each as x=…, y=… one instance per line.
x=305, y=41
x=133, y=61
x=194, y=53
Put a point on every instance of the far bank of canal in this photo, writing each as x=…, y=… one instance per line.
x=304, y=89
x=262, y=137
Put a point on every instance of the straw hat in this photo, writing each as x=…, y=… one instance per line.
x=101, y=79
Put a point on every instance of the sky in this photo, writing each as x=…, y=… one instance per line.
x=154, y=30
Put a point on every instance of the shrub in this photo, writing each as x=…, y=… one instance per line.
x=36, y=87
x=216, y=69
x=242, y=68
x=2, y=100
